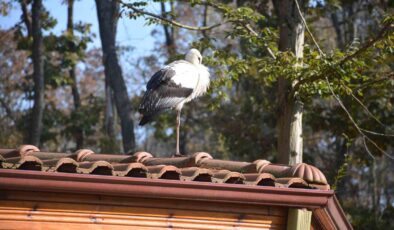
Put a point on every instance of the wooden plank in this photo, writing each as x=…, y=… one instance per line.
x=84, y=216
x=29, y=210
x=99, y=217
x=71, y=209
x=31, y=225
x=143, y=202
x=299, y=219
x=142, y=221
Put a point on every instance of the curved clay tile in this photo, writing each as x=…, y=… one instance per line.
x=274, y=169
x=164, y=172
x=291, y=182
x=141, y=156
x=320, y=186
x=196, y=174
x=309, y=173
x=5, y=151
x=8, y=153
x=224, y=164
x=48, y=164
x=66, y=164
x=10, y=162
x=260, y=164
x=179, y=162
x=130, y=170
x=97, y=167
x=112, y=158
x=26, y=149
x=82, y=154
x=29, y=163
x=48, y=155
x=228, y=177
x=198, y=157
x=261, y=179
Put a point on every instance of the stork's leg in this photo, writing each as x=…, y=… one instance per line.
x=178, y=124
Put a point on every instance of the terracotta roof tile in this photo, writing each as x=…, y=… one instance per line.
x=130, y=169
x=65, y=164
x=164, y=172
x=196, y=174
x=262, y=179
x=200, y=167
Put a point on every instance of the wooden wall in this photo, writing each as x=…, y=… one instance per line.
x=35, y=210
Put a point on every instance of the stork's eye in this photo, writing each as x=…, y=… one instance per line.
x=199, y=59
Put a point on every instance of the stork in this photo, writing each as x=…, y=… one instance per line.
x=172, y=86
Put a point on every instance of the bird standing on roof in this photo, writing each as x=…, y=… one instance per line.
x=171, y=87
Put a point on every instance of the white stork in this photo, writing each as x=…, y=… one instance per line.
x=171, y=87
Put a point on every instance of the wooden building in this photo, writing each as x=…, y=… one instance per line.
x=85, y=190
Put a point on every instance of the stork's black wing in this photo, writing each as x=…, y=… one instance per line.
x=162, y=93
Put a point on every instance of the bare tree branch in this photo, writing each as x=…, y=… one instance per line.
x=205, y=20
x=367, y=110
x=376, y=133
x=170, y=21
x=307, y=29
x=359, y=130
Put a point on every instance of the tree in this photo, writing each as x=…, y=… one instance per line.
x=38, y=75
x=291, y=38
x=79, y=135
x=108, y=13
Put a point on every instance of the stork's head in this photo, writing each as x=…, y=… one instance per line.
x=194, y=57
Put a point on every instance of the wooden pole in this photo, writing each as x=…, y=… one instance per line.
x=299, y=219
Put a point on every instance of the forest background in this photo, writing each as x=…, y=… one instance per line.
x=315, y=73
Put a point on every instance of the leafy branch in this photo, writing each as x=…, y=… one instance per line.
x=233, y=18
x=365, y=47
x=170, y=21
x=332, y=68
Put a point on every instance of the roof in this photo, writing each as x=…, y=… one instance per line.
x=195, y=178
x=198, y=167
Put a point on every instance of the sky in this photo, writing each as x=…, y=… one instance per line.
x=130, y=32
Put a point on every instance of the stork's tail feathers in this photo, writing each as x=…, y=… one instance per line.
x=146, y=119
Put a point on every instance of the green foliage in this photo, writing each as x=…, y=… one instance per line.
x=363, y=219
x=342, y=171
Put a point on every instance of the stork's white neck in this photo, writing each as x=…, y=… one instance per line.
x=194, y=57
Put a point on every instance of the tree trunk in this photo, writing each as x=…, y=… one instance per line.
x=109, y=114
x=290, y=107
x=338, y=29
x=107, y=12
x=38, y=76
x=78, y=133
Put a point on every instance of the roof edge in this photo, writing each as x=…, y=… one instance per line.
x=153, y=188
x=336, y=212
